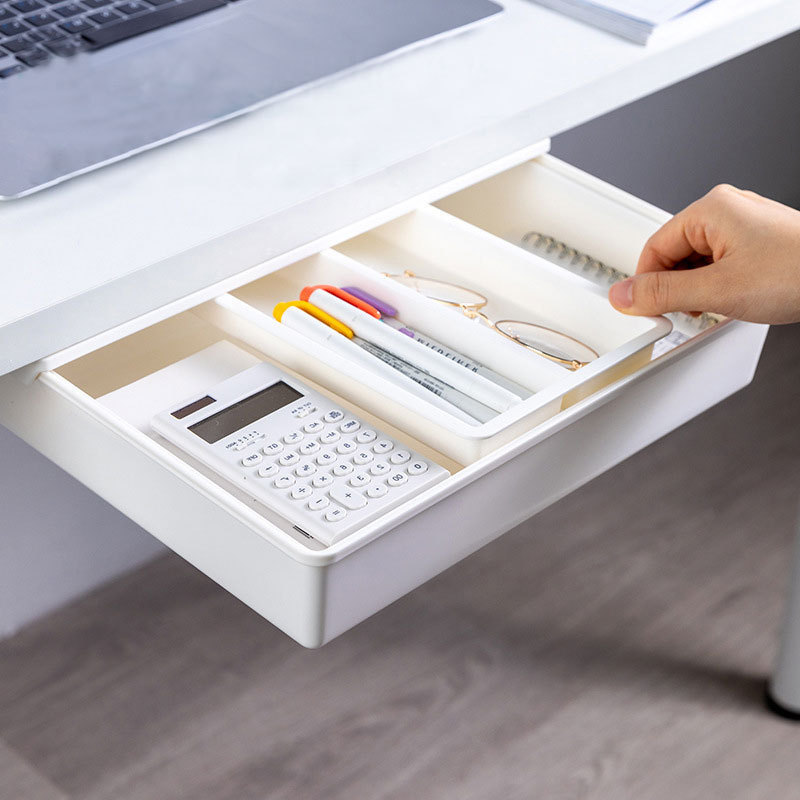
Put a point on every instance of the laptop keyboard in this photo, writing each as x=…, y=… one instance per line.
x=33, y=31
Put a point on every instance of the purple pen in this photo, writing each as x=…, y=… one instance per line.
x=385, y=309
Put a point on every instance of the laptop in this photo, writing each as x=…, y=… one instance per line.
x=87, y=82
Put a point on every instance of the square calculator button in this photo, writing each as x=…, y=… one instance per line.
x=350, y=426
x=417, y=468
x=267, y=470
x=349, y=498
x=334, y=415
x=397, y=479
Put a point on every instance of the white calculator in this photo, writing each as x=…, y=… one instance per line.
x=290, y=448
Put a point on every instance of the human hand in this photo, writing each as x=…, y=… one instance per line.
x=731, y=252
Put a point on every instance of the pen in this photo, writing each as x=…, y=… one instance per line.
x=371, y=329
x=389, y=316
x=426, y=388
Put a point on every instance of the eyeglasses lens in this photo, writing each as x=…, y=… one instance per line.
x=546, y=340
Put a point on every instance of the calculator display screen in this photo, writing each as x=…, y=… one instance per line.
x=245, y=412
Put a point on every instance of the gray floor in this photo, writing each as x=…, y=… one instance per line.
x=613, y=647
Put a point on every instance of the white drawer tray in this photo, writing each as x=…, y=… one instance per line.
x=315, y=594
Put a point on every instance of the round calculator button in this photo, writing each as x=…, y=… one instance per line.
x=359, y=479
x=363, y=457
x=330, y=437
x=301, y=492
x=397, y=479
x=381, y=468
x=315, y=426
x=334, y=415
x=252, y=460
x=377, y=490
x=307, y=448
x=283, y=482
x=267, y=470
x=304, y=470
x=399, y=456
x=287, y=459
x=350, y=426
x=293, y=437
x=272, y=449
x=318, y=503
x=342, y=469
x=366, y=436
x=335, y=514
x=382, y=446
x=326, y=457
x=417, y=468
x=320, y=481
x=345, y=447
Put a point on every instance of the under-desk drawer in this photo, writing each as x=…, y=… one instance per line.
x=315, y=593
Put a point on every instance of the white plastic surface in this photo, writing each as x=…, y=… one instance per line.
x=315, y=595
x=553, y=198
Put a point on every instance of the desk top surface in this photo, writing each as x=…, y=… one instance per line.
x=112, y=245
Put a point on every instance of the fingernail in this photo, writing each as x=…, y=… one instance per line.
x=621, y=294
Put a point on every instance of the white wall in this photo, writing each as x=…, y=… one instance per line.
x=738, y=123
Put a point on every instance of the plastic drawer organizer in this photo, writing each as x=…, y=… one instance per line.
x=88, y=408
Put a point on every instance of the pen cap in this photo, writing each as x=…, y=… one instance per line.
x=299, y=320
x=308, y=308
x=385, y=309
x=342, y=294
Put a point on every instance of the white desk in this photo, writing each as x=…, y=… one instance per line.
x=102, y=249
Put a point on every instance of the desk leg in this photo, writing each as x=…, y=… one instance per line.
x=783, y=692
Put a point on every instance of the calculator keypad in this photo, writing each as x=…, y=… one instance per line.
x=332, y=469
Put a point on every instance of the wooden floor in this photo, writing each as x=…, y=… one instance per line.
x=613, y=647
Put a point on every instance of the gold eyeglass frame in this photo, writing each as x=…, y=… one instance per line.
x=474, y=311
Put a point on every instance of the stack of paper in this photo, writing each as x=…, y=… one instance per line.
x=634, y=19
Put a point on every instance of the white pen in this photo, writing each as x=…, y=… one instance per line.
x=371, y=329
x=302, y=322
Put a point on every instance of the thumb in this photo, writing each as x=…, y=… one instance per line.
x=653, y=293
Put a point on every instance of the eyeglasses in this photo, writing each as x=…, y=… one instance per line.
x=546, y=342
